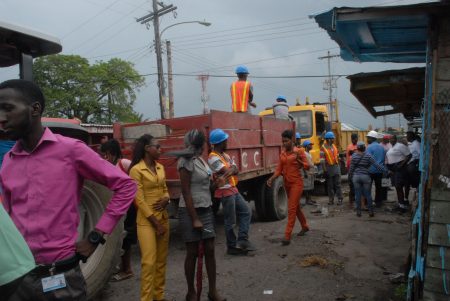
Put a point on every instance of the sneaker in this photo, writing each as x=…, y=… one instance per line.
x=285, y=242
x=236, y=251
x=339, y=202
x=245, y=245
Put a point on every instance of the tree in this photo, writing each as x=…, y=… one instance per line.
x=104, y=92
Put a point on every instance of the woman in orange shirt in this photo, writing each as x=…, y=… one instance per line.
x=292, y=159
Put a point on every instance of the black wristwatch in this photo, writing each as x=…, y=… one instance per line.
x=95, y=238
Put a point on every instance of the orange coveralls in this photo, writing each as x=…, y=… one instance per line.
x=289, y=167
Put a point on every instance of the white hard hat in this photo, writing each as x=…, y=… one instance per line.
x=372, y=134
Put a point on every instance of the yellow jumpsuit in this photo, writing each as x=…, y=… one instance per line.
x=151, y=188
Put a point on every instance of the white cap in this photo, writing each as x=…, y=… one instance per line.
x=372, y=134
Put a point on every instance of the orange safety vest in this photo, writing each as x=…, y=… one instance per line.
x=331, y=155
x=240, y=91
x=232, y=180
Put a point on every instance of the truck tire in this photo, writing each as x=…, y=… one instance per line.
x=259, y=196
x=100, y=265
x=276, y=201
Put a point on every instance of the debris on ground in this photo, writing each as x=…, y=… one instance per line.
x=314, y=260
x=397, y=278
x=344, y=297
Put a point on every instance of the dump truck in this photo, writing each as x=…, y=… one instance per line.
x=254, y=144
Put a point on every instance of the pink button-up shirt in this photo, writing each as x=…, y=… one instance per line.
x=42, y=191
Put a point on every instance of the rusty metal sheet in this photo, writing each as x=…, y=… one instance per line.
x=434, y=282
x=438, y=235
x=272, y=129
x=440, y=212
x=434, y=258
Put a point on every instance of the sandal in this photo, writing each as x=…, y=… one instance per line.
x=121, y=276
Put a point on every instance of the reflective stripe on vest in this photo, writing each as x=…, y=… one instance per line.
x=331, y=156
x=240, y=91
x=232, y=180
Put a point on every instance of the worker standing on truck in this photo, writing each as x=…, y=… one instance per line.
x=379, y=154
x=42, y=177
x=234, y=205
x=292, y=160
x=241, y=92
x=331, y=168
x=281, y=108
x=351, y=148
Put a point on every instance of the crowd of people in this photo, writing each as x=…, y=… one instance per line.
x=40, y=252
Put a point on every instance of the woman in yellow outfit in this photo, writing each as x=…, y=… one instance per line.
x=152, y=220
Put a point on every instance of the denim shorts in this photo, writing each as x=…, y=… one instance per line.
x=206, y=216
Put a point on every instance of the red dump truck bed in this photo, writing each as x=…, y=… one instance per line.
x=254, y=143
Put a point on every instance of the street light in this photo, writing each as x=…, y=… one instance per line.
x=169, y=63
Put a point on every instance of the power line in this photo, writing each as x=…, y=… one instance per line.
x=253, y=41
x=242, y=33
x=90, y=19
x=107, y=28
x=119, y=52
x=240, y=28
x=211, y=40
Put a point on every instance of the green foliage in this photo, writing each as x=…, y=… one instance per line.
x=104, y=92
x=400, y=292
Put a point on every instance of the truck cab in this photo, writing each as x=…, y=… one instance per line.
x=310, y=121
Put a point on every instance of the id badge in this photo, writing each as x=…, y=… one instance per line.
x=53, y=282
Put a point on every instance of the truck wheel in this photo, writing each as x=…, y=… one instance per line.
x=260, y=199
x=97, y=270
x=275, y=205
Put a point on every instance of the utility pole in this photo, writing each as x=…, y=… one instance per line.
x=330, y=83
x=154, y=16
x=170, y=79
x=205, y=97
x=384, y=119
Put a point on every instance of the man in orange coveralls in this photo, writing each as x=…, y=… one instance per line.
x=292, y=159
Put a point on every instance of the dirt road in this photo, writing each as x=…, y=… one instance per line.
x=358, y=255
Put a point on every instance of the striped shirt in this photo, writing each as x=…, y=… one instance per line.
x=361, y=162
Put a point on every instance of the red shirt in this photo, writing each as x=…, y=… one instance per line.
x=290, y=165
x=351, y=147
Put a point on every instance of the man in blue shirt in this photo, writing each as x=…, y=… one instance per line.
x=378, y=153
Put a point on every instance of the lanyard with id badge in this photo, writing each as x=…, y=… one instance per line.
x=53, y=282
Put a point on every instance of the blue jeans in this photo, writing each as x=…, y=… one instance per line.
x=235, y=206
x=362, y=184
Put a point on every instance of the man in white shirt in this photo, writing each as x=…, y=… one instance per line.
x=281, y=108
x=413, y=164
x=397, y=157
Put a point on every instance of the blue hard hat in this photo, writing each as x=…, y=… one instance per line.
x=217, y=136
x=281, y=98
x=241, y=70
x=298, y=136
x=306, y=143
x=329, y=135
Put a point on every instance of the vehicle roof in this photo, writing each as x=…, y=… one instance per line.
x=312, y=107
x=15, y=39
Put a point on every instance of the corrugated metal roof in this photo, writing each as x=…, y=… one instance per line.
x=381, y=34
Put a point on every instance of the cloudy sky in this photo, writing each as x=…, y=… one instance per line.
x=273, y=38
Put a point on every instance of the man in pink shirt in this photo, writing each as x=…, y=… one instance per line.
x=42, y=177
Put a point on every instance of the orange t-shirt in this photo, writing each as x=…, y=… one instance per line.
x=351, y=147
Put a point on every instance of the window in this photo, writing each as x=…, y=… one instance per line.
x=303, y=122
x=320, y=123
